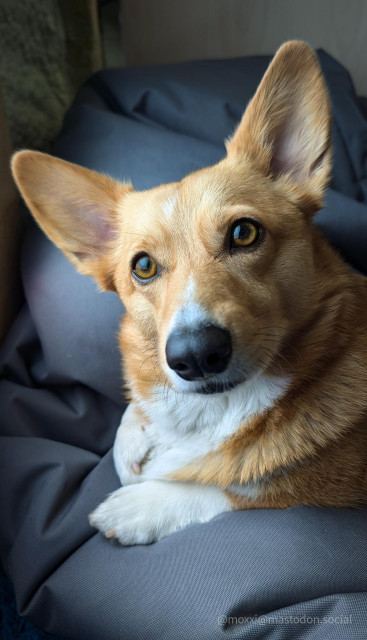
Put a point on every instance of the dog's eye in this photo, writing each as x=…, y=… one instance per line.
x=245, y=233
x=144, y=267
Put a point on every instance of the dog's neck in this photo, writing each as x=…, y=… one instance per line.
x=327, y=332
x=216, y=415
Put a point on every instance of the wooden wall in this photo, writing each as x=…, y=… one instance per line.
x=157, y=31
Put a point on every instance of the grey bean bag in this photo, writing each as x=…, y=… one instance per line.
x=297, y=573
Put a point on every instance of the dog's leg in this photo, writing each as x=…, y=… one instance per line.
x=146, y=512
x=131, y=446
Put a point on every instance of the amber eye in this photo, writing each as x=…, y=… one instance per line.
x=245, y=233
x=144, y=267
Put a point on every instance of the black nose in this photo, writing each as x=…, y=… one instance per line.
x=200, y=353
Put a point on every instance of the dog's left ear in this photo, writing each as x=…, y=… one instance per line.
x=286, y=128
x=77, y=208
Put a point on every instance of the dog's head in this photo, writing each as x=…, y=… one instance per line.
x=215, y=271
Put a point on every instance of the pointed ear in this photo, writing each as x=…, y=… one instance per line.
x=286, y=128
x=76, y=208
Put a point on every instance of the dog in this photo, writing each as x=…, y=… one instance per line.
x=245, y=334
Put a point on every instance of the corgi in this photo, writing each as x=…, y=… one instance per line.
x=245, y=336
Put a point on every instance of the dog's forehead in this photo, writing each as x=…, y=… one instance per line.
x=175, y=204
x=202, y=203
x=207, y=196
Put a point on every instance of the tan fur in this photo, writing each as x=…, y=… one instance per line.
x=54, y=190
x=291, y=305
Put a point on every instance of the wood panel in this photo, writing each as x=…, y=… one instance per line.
x=157, y=31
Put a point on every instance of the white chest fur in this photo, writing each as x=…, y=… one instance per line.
x=184, y=426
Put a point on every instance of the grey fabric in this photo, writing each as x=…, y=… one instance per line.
x=297, y=573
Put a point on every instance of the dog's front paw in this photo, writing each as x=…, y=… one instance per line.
x=146, y=512
x=131, y=446
x=131, y=515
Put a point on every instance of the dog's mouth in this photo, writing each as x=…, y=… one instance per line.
x=208, y=388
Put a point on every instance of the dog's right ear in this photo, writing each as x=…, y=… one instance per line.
x=286, y=128
x=77, y=209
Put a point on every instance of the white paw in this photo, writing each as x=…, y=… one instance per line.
x=131, y=446
x=126, y=516
x=146, y=512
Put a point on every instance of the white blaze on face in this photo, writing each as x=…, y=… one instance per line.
x=169, y=205
x=190, y=314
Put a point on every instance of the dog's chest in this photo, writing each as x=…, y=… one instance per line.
x=186, y=426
